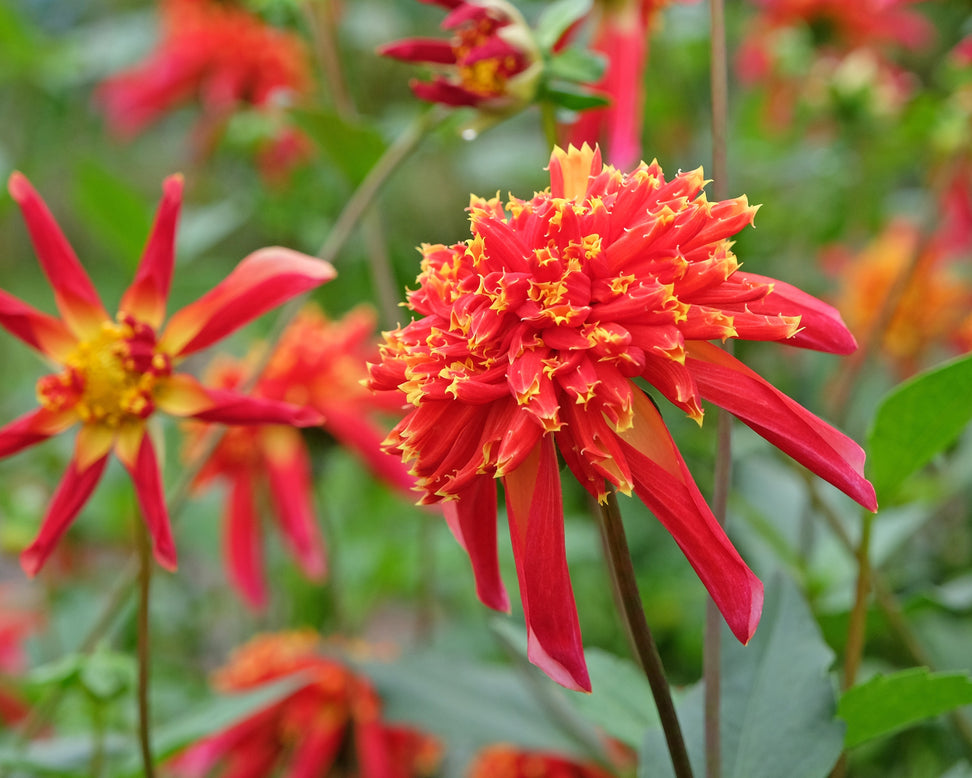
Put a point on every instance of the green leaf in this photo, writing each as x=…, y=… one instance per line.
x=577, y=65
x=889, y=703
x=573, y=97
x=556, y=19
x=470, y=704
x=916, y=421
x=778, y=704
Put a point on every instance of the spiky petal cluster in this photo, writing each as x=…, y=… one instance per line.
x=490, y=62
x=318, y=364
x=117, y=372
x=329, y=723
x=529, y=341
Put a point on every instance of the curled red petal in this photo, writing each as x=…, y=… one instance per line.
x=74, y=294
x=663, y=483
x=472, y=520
x=33, y=428
x=441, y=90
x=821, y=327
x=151, y=499
x=724, y=380
x=536, y=518
x=35, y=328
x=420, y=50
x=241, y=543
x=145, y=299
x=262, y=281
x=72, y=493
x=289, y=470
x=183, y=395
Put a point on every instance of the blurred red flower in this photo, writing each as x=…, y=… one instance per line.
x=529, y=339
x=318, y=364
x=118, y=372
x=503, y=761
x=331, y=725
x=490, y=62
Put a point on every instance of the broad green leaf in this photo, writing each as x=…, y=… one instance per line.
x=556, y=20
x=470, y=704
x=577, y=65
x=916, y=421
x=573, y=97
x=64, y=757
x=778, y=704
x=889, y=703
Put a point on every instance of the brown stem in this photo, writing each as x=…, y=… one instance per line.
x=711, y=660
x=623, y=577
x=144, y=588
x=857, y=628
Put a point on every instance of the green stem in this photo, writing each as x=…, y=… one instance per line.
x=623, y=577
x=857, y=629
x=548, y=118
x=711, y=661
x=144, y=589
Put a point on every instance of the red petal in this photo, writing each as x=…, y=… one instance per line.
x=420, y=50
x=536, y=517
x=75, y=295
x=38, y=330
x=71, y=495
x=472, y=519
x=316, y=752
x=785, y=423
x=442, y=91
x=289, y=470
x=821, y=327
x=262, y=281
x=241, y=544
x=664, y=484
x=183, y=395
x=151, y=499
x=146, y=297
x=32, y=428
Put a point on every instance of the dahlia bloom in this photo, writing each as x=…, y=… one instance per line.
x=216, y=53
x=530, y=337
x=318, y=364
x=491, y=61
x=117, y=372
x=503, y=761
x=332, y=718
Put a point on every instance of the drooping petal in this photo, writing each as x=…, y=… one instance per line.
x=241, y=543
x=821, y=327
x=472, y=520
x=663, y=483
x=289, y=470
x=72, y=493
x=420, y=50
x=33, y=428
x=183, y=395
x=144, y=470
x=75, y=295
x=145, y=299
x=35, y=328
x=316, y=752
x=536, y=517
x=262, y=281
x=786, y=424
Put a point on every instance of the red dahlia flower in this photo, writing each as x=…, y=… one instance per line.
x=491, y=62
x=318, y=364
x=118, y=372
x=311, y=731
x=531, y=336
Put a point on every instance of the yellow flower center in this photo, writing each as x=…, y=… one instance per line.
x=109, y=378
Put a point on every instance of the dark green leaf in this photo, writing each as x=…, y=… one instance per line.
x=573, y=97
x=916, y=421
x=889, y=703
x=557, y=18
x=778, y=703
